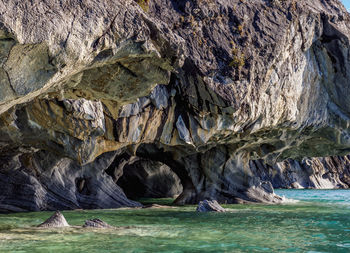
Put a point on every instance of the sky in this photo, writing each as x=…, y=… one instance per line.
x=347, y=4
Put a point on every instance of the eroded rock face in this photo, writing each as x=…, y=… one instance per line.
x=44, y=181
x=203, y=87
x=109, y=51
x=315, y=173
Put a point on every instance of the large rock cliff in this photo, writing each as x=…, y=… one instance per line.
x=199, y=86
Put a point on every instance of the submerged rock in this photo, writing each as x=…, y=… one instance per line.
x=210, y=206
x=96, y=223
x=57, y=220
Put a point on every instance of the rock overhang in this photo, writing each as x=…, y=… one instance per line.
x=72, y=90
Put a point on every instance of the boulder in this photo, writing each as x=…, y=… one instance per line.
x=96, y=223
x=210, y=206
x=57, y=220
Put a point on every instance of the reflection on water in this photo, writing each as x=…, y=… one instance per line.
x=319, y=222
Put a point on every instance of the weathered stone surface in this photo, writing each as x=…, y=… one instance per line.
x=57, y=220
x=315, y=173
x=237, y=81
x=109, y=50
x=96, y=223
x=210, y=206
x=44, y=181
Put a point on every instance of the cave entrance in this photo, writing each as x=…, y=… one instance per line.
x=152, y=173
x=143, y=179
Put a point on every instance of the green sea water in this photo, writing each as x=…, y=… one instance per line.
x=318, y=222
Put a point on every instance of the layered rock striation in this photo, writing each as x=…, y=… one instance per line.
x=310, y=173
x=202, y=87
x=209, y=206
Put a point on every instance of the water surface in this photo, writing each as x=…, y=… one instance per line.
x=318, y=222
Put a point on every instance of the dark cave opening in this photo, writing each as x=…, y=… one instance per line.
x=142, y=178
x=155, y=153
x=152, y=172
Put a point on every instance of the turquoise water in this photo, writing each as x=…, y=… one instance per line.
x=319, y=222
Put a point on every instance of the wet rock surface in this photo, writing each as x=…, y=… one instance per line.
x=203, y=87
x=57, y=220
x=96, y=223
x=210, y=206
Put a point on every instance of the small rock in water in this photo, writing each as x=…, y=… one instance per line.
x=158, y=206
x=57, y=220
x=210, y=206
x=96, y=223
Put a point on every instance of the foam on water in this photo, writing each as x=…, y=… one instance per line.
x=326, y=197
x=288, y=201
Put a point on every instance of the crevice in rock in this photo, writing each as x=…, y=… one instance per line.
x=10, y=84
x=82, y=186
x=110, y=26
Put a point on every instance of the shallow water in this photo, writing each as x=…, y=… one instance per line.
x=319, y=222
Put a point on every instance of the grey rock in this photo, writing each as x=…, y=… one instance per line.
x=57, y=220
x=247, y=81
x=96, y=223
x=310, y=173
x=184, y=134
x=75, y=48
x=134, y=108
x=160, y=97
x=210, y=206
x=44, y=181
x=29, y=68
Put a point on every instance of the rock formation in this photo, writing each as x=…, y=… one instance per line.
x=43, y=181
x=210, y=206
x=201, y=86
x=311, y=173
x=96, y=223
x=57, y=220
